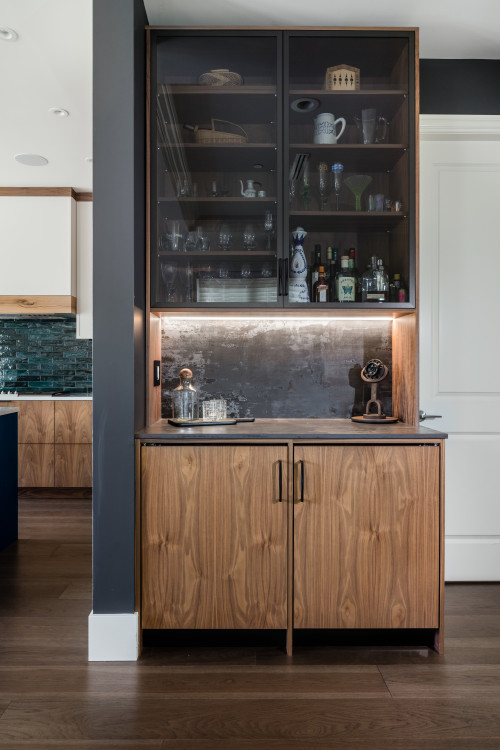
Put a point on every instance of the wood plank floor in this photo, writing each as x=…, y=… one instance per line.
x=234, y=698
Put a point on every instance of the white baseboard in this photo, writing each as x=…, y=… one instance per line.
x=114, y=637
x=474, y=558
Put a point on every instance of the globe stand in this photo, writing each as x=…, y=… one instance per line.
x=374, y=372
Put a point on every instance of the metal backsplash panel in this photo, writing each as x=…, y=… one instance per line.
x=270, y=368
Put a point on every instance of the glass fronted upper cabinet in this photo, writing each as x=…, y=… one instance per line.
x=275, y=153
x=215, y=139
x=350, y=160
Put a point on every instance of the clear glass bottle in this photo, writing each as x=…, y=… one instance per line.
x=346, y=282
x=185, y=397
x=382, y=282
x=369, y=282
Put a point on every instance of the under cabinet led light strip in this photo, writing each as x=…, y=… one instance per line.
x=311, y=319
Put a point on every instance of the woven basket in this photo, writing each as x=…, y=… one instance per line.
x=220, y=77
x=203, y=135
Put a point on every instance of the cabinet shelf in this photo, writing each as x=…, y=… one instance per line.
x=227, y=157
x=197, y=104
x=354, y=156
x=218, y=253
x=348, y=103
x=349, y=221
x=223, y=207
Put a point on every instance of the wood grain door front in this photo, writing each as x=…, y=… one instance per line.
x=214, y=536
x=36, y=465
x=35, y=421
x=366, y=537
x=73, y=422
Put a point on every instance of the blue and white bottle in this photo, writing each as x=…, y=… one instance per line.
x=297, y=287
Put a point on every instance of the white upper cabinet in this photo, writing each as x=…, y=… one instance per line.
x=38, y=252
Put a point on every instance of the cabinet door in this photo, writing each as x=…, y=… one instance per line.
x=36, y=465
x=73, y=421
x=73, y=465
x=36, y=421
x=216, y=230
x=367, y=537
x=213, y=537
x=350, y=156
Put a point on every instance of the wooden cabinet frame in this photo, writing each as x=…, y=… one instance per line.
x=431, y=625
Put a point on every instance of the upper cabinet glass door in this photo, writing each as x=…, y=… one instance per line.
x=216, y=225
x=349, y=168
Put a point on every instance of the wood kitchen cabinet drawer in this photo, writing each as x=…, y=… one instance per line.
x=214, y=537
x=73, y=465
x=36, y=465
x=73, y=422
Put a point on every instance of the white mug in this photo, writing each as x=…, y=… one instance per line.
x=325, y=128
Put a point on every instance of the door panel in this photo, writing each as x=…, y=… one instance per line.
x=459, y=353
x=213, y=537
x=36, y=421
x=36, y=465
x=367, y=537
x=73, y=465
x=73, y=422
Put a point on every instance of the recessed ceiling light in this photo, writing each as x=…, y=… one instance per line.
x=31, y=160
x=59, y=112
x=8, y=35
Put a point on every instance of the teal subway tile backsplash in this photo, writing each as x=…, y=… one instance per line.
x=43, y=354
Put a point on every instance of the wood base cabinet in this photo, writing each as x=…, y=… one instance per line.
x=366, y=536
x=214, y=536
x=355, y=543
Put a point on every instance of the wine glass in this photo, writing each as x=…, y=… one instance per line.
x=268, y=227
x=249, y=237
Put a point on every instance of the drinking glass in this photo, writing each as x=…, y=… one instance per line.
x=249, y=237
x=225, y=237
x=337, y=170
x=268, y=227
x=325, y=185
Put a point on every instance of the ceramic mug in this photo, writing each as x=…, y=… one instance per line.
x=325, y=128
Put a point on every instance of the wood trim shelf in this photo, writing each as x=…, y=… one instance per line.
x=199, y=89
x=45, y=304
x=218, y=253
x=45, y=192
x=209, y=199
x=357, y=92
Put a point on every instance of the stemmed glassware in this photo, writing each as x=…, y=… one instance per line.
x=268, y=228
x=337, y=170
x=357, y=184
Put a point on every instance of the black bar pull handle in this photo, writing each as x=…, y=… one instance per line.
x=280, y=277
x=285, y=273
x=300, y=467
x=280, y=482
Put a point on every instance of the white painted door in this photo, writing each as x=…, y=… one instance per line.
x=460, y=329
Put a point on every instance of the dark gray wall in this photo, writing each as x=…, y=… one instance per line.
x=118, y=345
x=277, y=368
x=460, y=87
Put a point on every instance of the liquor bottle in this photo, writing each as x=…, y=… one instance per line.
x=332, y=276
x=369, y=282
x=346, y=282
x=320, y=291
x=185, y=397
x=329, y=258
x=352, y=257
x=354, y=272
x=382, y=281
x=315, y=269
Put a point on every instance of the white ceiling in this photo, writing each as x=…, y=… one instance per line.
x=50, y=64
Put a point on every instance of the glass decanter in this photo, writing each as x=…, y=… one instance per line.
x=185, y=397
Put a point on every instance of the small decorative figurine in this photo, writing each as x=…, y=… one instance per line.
x=297, y=288
x=374, y=372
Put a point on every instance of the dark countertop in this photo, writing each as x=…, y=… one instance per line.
x=290, y=429
x=8, y=410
